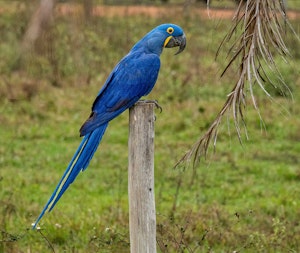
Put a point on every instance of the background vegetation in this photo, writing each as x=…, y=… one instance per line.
x=243, y=198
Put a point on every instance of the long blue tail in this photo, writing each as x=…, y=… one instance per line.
x=79, y=162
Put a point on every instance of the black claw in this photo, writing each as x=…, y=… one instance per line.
x=157, y=105
x=154, y=102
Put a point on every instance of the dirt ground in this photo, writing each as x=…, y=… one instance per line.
x=147, y=11
x=155, y=11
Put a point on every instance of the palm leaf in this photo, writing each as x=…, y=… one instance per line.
x=258, y=27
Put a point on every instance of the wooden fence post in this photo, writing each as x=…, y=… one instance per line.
x=142, y=216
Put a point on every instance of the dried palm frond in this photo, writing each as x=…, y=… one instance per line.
x=259, y=26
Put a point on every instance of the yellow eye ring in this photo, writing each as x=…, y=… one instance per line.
x=170, y=30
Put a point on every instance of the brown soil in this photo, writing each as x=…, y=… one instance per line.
x=154, y=11
x=147, y=11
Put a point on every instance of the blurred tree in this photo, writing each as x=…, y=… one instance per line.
x=88, y=9
x=39, y=37
x=40, y=21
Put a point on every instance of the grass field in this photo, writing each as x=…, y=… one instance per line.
x=242, y=198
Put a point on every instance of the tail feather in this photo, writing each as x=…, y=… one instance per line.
x=79, y=162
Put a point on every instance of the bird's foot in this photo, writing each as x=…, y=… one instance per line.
x=155, y=102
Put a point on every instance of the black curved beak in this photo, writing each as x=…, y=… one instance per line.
x=179, y=41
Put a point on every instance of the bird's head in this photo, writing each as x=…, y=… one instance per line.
x=174, y=36
x=165, y=35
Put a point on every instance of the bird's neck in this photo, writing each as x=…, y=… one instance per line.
x=152, y=44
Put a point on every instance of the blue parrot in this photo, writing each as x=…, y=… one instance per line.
x=133, y=77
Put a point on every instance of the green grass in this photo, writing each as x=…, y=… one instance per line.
x=242, y=198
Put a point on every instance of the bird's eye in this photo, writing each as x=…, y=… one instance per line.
x=170, y=30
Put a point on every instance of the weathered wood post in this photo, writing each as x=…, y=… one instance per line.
x=142, y=216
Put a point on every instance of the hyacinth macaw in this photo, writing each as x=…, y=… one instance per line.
x=133, y=77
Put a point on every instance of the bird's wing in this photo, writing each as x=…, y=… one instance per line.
x=131, y=79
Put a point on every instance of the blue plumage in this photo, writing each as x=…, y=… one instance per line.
x=133, y=77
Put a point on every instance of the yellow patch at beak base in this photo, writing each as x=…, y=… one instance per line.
x=167, y=40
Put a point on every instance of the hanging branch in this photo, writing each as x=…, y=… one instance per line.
x=259, y=26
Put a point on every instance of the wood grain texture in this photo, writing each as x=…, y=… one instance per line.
x=142, y=216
